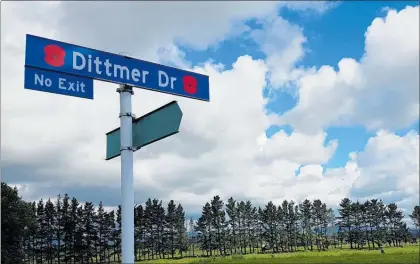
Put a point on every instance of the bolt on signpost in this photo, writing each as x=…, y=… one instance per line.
x=62, y=68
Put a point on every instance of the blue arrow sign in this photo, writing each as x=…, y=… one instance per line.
x=63, y=57
x=58, y=83
x=156, y=125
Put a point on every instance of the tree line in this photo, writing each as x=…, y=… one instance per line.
x=65, y=231
x=240, y=227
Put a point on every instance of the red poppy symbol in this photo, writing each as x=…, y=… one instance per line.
x=54, y=55
x=190, y=84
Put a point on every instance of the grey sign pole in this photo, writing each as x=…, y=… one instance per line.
x=127, y=188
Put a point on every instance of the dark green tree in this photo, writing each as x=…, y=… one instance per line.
x=357, y=234
x=51, y=221
x=58, y=236
x=345, y=220
x=159, y=220
x=90, y=234
x=16, y=218
x=41, y=236
x=305, y=209
x=64, y=228
x=109, y=235
x=218, y=223
x=250, y=216
x=139, y=225
x=181, y=230
x=394, y=218
x=101, y=221
x=378, y=221
x=232, y=222
x=31, y=233
x=171, y=223
x=72, y=231
x=240, y=210
x=269, y=224
x=204, y=229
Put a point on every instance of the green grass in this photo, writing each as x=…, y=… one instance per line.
x=405, y=255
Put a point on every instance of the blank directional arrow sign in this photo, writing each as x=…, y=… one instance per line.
x=156, y=125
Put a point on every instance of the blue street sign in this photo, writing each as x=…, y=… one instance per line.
x=153, y=126
x=58, y=83
x=63, y=57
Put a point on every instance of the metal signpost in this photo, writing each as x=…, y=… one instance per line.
x=62, y=68
x=153, y=126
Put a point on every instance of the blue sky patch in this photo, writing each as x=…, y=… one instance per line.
x=326, y=44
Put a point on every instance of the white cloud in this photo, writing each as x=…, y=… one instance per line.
x=379, y=91
x=282, y=146
x=282, y=43
x=389, y=163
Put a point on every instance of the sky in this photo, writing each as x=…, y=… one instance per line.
x=316, y=100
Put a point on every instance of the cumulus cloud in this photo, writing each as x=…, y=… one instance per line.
x=389, y=163
x=379, y=91
x=283, y=45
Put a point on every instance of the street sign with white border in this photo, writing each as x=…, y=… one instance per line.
x=67, y=58
x=58, y=83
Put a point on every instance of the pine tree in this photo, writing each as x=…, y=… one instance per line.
x=41, y=236
x=150, y=228
x=58, y=230
x=344, y=220
x=158, y=222
x=260, y=228
x=109, y=234
x=368, y=219
x=240, y=208
x=218, y=222
x=283, y=229
x=306, y=220
x=269, y=223
x=232, y=222
x=171, y=232
x=317, y=221
x=356, y=222
x=63, y=226
x=394, y=219
x=33, y=230
x=364, y=223
x=204, y=229
x=291, y=225
x=181, y=231
x=251, y=223
x=73, y=232
x=50, y=220
x=101, y=227
x=248, y=225
x=139, y=222
x=90, y=231
x=378, y=221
